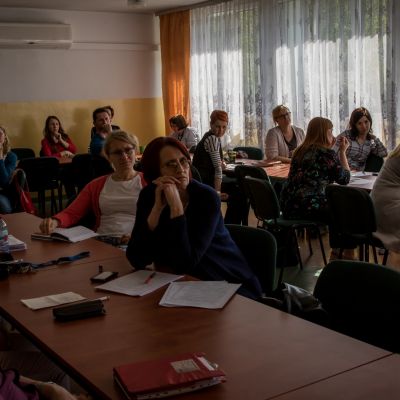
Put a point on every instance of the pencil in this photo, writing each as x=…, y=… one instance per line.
x=150, y=277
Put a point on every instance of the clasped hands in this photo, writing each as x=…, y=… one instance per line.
x=167, y=193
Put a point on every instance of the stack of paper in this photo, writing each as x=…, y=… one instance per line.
x=16, y=244
x=203, y=294
x=52, y=300
x=139, y=283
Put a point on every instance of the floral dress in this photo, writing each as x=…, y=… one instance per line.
x=303, y=194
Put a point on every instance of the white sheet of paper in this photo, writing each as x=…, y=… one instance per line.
x=203, y=294
x=52, y=300
x=359, y=181
x=134, y=284
x=360, y=173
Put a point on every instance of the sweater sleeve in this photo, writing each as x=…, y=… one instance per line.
x=271, y=149
x=7, y=167
x=211, y=145
x=46, y=149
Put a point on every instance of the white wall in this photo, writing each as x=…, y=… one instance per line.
x=101, y=71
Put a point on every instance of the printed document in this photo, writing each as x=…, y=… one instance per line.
x=203, y=294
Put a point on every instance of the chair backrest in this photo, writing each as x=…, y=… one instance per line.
x=253, y=153
x=23, y=152
x=42, y=173
x=373, y=163
x=362, y=300
x=86, y=167
x=352, y=210
x=263, y=198
x=195, y=173
x=259, y=249
x=241, y=171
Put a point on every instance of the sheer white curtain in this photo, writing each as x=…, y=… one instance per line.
x=330, y=56
x=318, y=57
x=224, y=70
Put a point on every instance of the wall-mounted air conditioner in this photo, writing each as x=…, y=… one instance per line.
x=15, y=35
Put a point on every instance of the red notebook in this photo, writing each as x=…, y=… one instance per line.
x=168, y=376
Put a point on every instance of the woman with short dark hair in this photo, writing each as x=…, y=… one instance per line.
x=182, y=132
x=179, y=223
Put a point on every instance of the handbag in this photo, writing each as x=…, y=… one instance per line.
x=23, y=198
x=297, y=301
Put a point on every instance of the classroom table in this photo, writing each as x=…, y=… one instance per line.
x=264, y=352
x=376, y=380
x=280, y=171
x=22, y=225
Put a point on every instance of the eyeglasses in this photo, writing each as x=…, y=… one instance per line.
x=127, y=152
x=284, y=115
x=175, y=164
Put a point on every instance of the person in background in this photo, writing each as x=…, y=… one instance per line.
x=110, y=111
x=8, y=163
x=182, y=132
x=281, y=141
x=14, y=386
x=56, y=143
x=102, y=126
x=315, y=165
x=179, y=223
x=362, y=141
x=386, y=198
x=112, y=198
x=208, y=159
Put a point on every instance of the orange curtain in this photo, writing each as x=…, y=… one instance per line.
x=175, y=60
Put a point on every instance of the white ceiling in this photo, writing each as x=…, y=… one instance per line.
x=151, y=6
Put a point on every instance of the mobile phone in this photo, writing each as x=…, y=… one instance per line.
x=104, y=276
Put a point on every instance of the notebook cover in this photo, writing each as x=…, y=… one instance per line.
x=166, y=374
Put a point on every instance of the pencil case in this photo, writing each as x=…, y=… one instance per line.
x=86, y=309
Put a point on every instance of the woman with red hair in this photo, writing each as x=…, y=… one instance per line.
x=179, y=223
x=208, y=160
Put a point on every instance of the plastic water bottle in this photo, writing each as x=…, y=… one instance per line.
x=4, y=246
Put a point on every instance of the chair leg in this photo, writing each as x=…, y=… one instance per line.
x=280, y=279
x=361, y=252
x=375, y=255
x=298, y=250
x=321, y=244
x=385, y=257
x=366, y=252
x=309, y=242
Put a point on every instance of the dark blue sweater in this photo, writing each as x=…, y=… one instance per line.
x=196, y=243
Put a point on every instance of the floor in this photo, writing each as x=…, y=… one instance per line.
x=313, y=264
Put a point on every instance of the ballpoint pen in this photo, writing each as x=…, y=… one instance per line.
x=150, y=277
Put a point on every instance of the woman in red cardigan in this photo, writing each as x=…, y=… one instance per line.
x=56, y=142
x=112, y=198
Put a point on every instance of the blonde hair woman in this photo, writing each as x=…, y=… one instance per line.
x=386, y=197
x=8, y=163
x=314, y=166
x=112, y=198
x=281, y=141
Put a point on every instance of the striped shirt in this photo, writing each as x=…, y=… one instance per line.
x=357, y=153
x=212, y=145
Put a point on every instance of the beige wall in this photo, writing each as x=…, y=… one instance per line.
x=114, y=59
x=24, y=121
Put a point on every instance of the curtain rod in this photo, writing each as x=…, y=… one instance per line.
x=192, y=6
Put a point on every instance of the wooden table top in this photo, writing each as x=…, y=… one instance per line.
x=376, y=380
x=22, y=225
x=264, y=352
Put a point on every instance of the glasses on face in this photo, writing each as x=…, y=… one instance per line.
x=175, y=164
x=125, y=152
x=284, y=115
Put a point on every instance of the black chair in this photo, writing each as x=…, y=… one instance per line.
x=259, y=249
x=241, y=171
x=353, y=220
x=86, y=167
x=195, y=173
x=23, y=152
x=268, y=213
x=253, y=153
x=42, y=174
x=362, y=301
x=373, y=163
